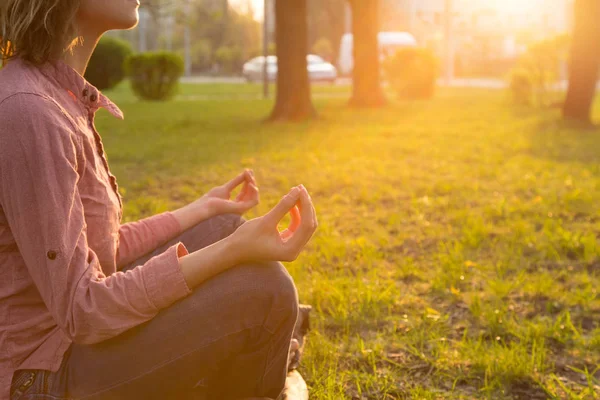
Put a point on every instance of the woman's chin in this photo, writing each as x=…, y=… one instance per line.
x=128, y=23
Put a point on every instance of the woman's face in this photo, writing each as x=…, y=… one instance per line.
x=101, y=16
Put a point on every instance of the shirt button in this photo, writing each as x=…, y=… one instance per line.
x=93, y=98
x=51, y=255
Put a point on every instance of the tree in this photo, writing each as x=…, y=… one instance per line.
x=326, y=20
x=585, y=61
x=366, y=91
x=159, y=8
x=293, y=100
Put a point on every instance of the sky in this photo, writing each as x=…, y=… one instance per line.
x=257, y=5
x=509, y=6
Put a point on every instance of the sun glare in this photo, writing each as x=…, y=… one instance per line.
x=516, y=6
x=257, y=6
x=512, y=7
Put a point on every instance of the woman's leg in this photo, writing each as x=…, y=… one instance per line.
x=231, y=335
x=203, y=234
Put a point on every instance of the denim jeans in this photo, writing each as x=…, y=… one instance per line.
x=229, y=339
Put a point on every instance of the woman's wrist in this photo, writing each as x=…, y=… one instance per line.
x=210, y=261
x=192, y=214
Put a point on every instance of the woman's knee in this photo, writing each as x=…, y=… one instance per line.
x=270, y=287
x=285, y=295
x=210, y=231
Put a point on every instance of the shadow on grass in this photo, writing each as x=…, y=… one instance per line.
x=566, y=141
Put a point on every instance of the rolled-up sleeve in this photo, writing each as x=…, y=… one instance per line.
x=141, y=237
x=39, y=175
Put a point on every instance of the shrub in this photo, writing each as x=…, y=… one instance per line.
x=106, y=67
x=542, y=63
x=155, y=76
x=259, y=52
x=521, y=86
x=323, y=48
x=201, y=55
x=229, y=59
x=412, y=72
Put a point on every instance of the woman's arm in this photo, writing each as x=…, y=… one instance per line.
x=256, y=240
x=40, y=198
x=141, y=237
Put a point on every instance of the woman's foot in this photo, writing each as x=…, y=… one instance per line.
x=295, y=387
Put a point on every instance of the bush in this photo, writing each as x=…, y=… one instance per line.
x=106, y=67
x=323, y=48
x=542, y=63
x=259, y=52
x=412, y=72
x=201, y=55
x=229, y=59
x=155, y=76
x=521, y=86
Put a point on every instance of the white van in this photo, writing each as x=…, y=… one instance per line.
x=389, y=42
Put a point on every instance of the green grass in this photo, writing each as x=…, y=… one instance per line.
x=457, y=254
x=228, y=91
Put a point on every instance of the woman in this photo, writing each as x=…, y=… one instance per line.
x=90, y=309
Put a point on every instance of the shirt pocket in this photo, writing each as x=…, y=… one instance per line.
x=102, y=219
x=19, y=269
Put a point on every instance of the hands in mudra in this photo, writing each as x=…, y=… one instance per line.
x=259, y=239
x=218, y=199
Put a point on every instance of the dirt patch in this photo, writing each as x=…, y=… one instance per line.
x=413, y=248
x=526, y=389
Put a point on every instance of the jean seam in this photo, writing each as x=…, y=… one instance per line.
x=266, y=367
x=43, y=396
x=165, y=363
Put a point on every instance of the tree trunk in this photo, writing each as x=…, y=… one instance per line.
x=335, y=10
x=584, y=62
x=293, y=100
x=366, y=90
x=224, y=23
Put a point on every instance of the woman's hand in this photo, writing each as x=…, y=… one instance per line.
x=256, y=240
x=260, y=240
x=218, y=200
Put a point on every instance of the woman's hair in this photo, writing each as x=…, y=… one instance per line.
x=36, y=30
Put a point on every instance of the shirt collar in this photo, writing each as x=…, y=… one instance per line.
x=78, y=88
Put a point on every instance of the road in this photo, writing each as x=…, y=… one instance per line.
x=458, y=82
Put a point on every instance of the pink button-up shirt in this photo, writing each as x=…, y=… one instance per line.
x=61, y=241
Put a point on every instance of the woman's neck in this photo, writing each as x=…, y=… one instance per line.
x=79, y=55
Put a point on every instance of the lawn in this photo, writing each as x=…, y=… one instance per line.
x=457, y=254
x=228, y=91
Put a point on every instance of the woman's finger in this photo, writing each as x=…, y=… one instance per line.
x=235, y=182
x=307, y=226
x=251, y=195
x=294, y=224
x=251, y=176
x=243, y=192
x=307, y=210
x=250, y=200
x=314, y=211
x=283, y=207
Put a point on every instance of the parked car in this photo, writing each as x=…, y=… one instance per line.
x=389, y=43
x=319, y=70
